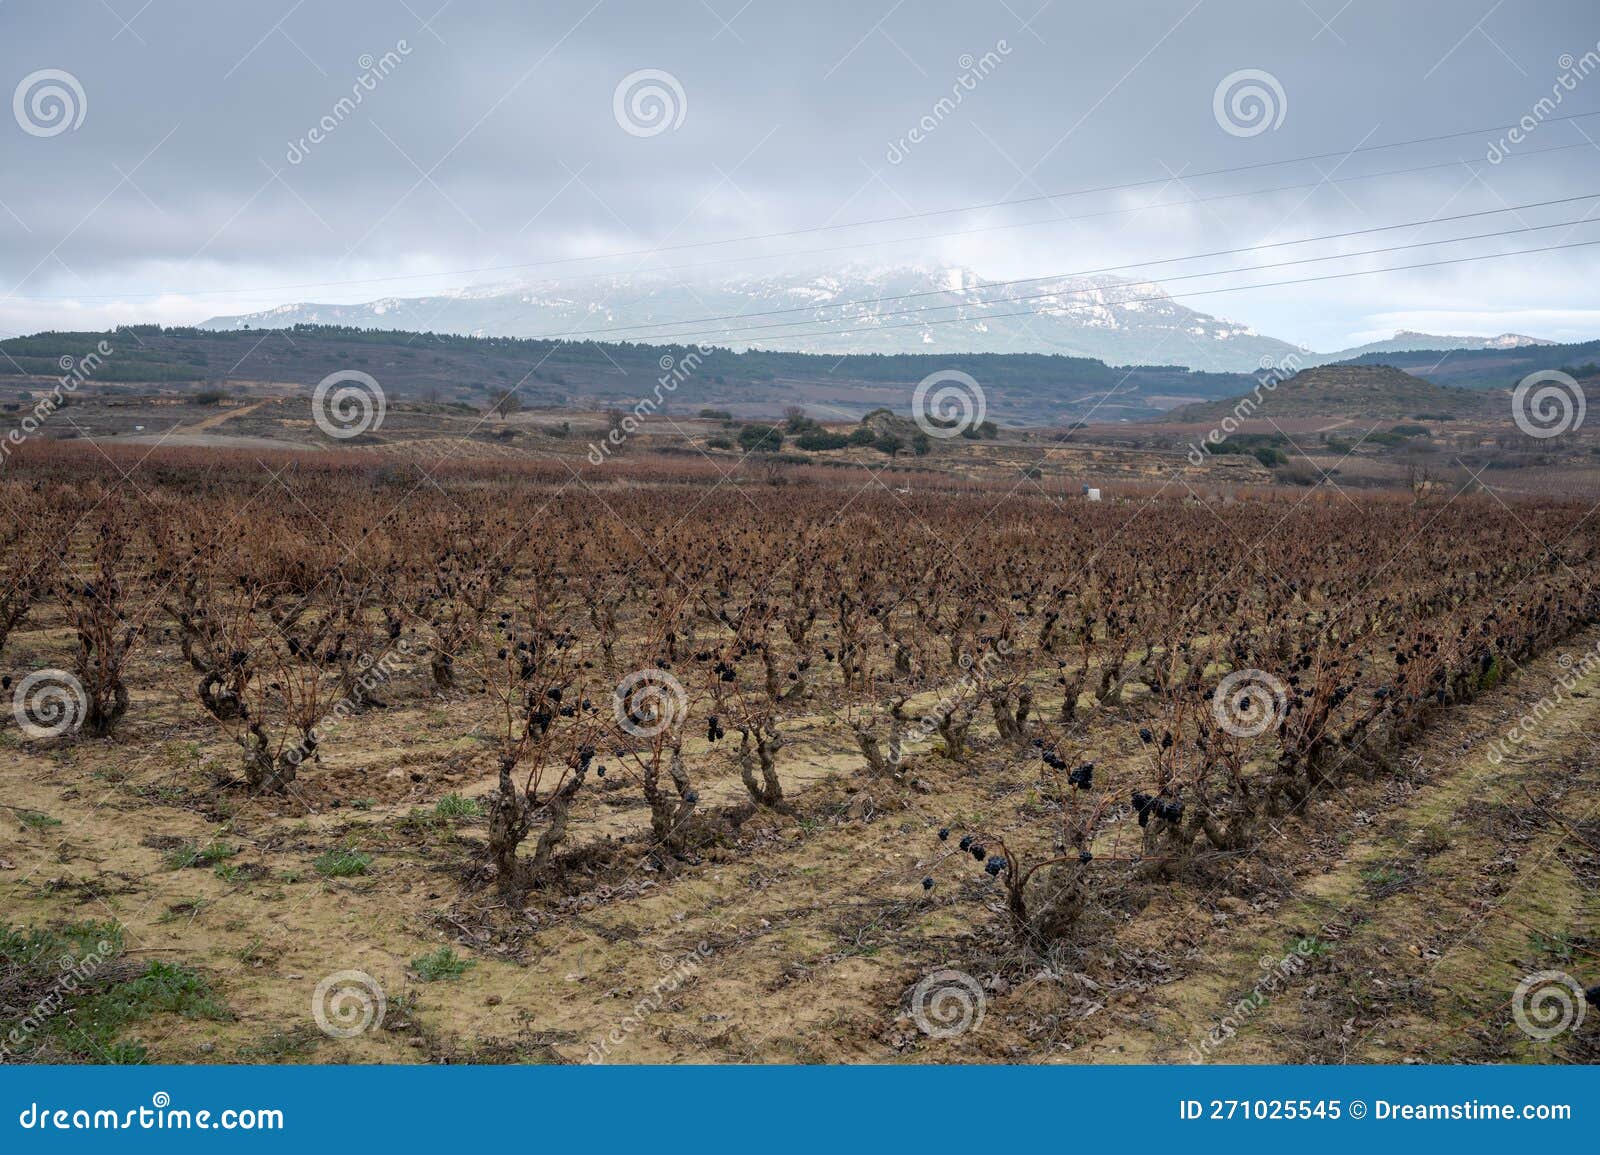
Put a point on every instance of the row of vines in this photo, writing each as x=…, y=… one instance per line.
x=665, y=634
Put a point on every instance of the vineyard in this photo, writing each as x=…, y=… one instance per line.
x=788, y=767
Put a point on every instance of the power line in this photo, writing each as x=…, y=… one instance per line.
x=983, y=206
x=1193, y=293
x=659, y=325
x=656, y=337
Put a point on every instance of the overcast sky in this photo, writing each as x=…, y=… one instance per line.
x=180, y=179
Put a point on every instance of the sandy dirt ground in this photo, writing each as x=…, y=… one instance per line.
x=1393, y=925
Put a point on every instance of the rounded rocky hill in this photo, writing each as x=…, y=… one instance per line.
x=1353, y=391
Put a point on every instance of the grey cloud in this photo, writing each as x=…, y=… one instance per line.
x=792, y=111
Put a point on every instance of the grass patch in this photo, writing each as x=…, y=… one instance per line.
x=282, y=1045
x=443, y=963
x=1559, y=947
x=77, y=997
x=457, y=806
x=189, y=854
x=161, y=988
x=36, y=819
x=1310, y=947
x=345, y=863
x=1385, y=881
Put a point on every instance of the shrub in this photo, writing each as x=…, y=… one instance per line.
x=716, y=414
x=761, y=438
x=818, y=439
x=718, y=443
x=209, y=397
x=862, y=436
